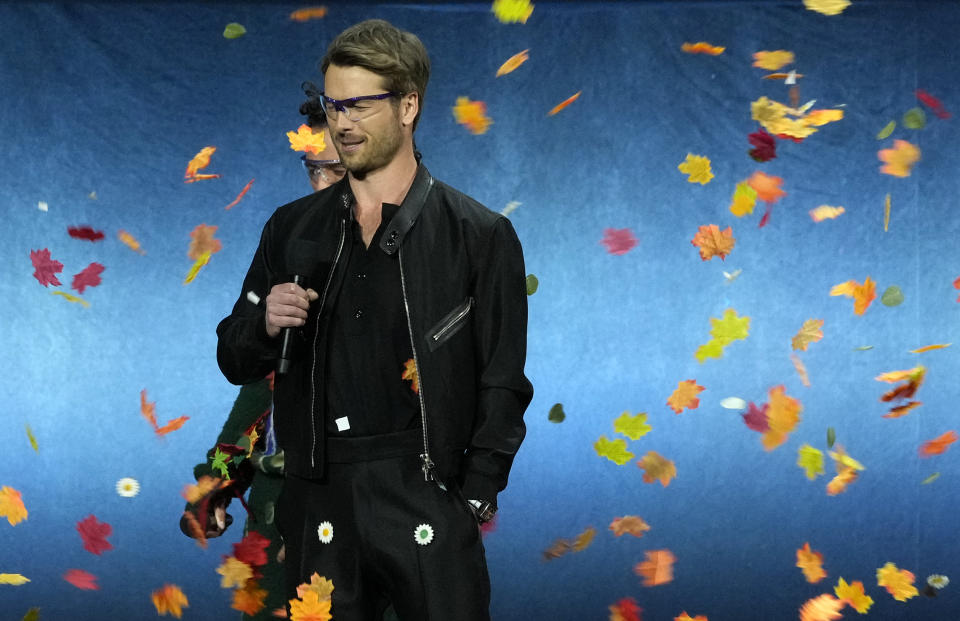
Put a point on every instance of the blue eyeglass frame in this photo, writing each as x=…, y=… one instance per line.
x=317, y=163
x=341, y=105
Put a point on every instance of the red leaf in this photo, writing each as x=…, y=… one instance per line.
x=94, y=535
x=45, y=268
x=933, y=102
x=84, y=232
x=618, y=241
x=81, y=579
x=764, y=146
x=252, y=549
x=89, y=277
x=756, y=418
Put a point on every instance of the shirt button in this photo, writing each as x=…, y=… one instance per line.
x=358, y=314
x=361, y=276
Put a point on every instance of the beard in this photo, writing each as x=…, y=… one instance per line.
x=378, y=150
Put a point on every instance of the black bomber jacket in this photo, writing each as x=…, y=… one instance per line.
x=464, y=290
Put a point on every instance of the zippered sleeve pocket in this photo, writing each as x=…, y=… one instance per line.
x=449, y=325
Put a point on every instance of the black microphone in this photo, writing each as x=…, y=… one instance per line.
x=286, y=343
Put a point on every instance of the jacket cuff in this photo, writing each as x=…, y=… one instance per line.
x=478, y=487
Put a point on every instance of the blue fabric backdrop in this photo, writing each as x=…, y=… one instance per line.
x=103, y=105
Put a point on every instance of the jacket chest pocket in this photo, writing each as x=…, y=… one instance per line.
x=451, y=323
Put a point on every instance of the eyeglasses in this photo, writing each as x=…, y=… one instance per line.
x=330, y=171
x=355, y=108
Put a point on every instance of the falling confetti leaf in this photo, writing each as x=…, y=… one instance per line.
x=914, y=118
x=783, y=414
x=94, y=535
x=532, y=284
x=510, y=207
x=557, y=415
x=929, y=348
x=764, y=146
x=314, y=12
x=826, y=212
x=810, y=332
x=938, y=445
x=319, y=585
x=563, y=104
x=697, y=167
x=250, y=599
x=148, y=410
x=88, y=277
x=724, y=331
x=893, y=296
x=930, y=479
x=712, y=242
x=245, y=189
x=900, y=159
x=827, y=7
x=702, y=47
x=81, y=579
x=862, y=295
x=72, y=298
x=618, y=241
x=84, y=232
x=766, y=186
x=472, y=115
x=811, y=562
x=772, y=61
x=625, y=610
x=45, y=269
x=831, y=436
x=629, y=524
x=512, y=11
x=897, y=582
x=657, y=569
x=32, y=439
x=887, y=130
x=614, y=450
x=634, y=427
x=410, y=373
x=12, y=507
x=202, y=260
x=169, y=599
x=307, y=140
x=310, y=608
x=854, y=595
x=821, y=608
x=233, y=30
x=14, y=579
x=744, y=200
x=886, y=213
x=43, y=206
x=733, y=403
x=129, y=241
x=583, y=540
x=933, y=103
x=200, y=161
x=513, y=63
x=202, y=242
x=234, y=573
x=685, y=396
x=914, y=378
x=756, y=418
x=656, y=467
x=811, y=460
x=801, y=369
x=683, y=616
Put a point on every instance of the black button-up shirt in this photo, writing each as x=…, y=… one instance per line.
x=369, y=344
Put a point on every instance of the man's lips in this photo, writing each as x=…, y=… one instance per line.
x=350, y=144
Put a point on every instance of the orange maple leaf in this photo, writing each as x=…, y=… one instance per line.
x=683, y=616
x=148, y=409
x=657, y=569
x=841, y=481
x=685, y=396
x=900, y=159
x=410, y=373
x=657, y=467
x=314, y=12
x=702, y=47
x=472, y=115
x=307, y=140
x=631, y=524
x=938, y=445
x=821, y=608
x=235, y=573
x=563, y=104
x=766, y=186
x=200, y=160
x=513, y=62
x=204, y=485
x=310, y=608
x=173, y=425
x=169, y=598
x=11, y=505
x=319, y=584
x=713, y=242
x=854, y=595
x=897, y=582
x=783, y=414
x=862, y=295
x=202, y=241
x=811, y=562
x=249, y=600
x=810, y=332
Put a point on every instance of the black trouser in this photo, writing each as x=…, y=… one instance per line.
x=373, y=557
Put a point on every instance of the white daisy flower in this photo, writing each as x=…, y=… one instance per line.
x=937, y=581
x=423, y=534
x=127, y=487
x=325, y=532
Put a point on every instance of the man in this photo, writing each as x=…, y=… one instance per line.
x=402, y=408
x=263, y=472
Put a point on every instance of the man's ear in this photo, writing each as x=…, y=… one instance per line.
x=409, y=107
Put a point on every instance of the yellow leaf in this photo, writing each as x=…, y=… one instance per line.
x=811, y=460
x=927, y=348
x=512, y=11
x=810, y=332
x=472, y=115
x=235, y=573
x=69, y=297
x=13, y=579
x=202, y=260
x=900, y=159
x=12, y=507
x=771, y=61
x=631, y=524
x=862, y=295
x=685, y=396
x=614, y=450
x=826, y=212
x=410, y=373
x=307, y=140
x=582, y=541
x=744, y=200
x=854, y=595
x=513, y=62
x=310, y=608
x=811, y=562
x=898, y=582
x=319, y=585
x=170, y=599
x=698, y=169
x=827, y=7
x=634, y=427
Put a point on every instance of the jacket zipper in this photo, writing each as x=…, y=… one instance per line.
x=454, y=321
x=316, y=333
x=427, y=464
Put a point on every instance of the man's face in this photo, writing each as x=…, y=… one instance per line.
x=324, y=168
x=372, y=142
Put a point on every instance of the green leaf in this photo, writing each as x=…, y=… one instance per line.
x=863, y=348
x=831, y=437
x=930, y=479
x=892, y=296
x=634, y=427
x=532, y=284
x=557, y=415
x=915, y=118
x=219, y=462
x=887, y=130
x=234, y=31
x=615, y=450
x=32, y=615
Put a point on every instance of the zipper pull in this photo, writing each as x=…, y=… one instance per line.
x=429, y=471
